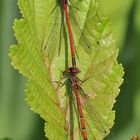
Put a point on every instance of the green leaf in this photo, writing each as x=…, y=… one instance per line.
x=42, y=54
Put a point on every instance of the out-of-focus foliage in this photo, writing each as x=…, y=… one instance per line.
x=118, y=12
x=17, y=122
x=125, y=16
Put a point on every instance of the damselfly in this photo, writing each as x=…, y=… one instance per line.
x=77, y=91
x=86, y=112
x=90, y=123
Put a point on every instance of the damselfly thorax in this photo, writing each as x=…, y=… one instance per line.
x=75, y=85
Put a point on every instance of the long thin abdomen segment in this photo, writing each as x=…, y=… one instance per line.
x=81, y=116
x=70, y=34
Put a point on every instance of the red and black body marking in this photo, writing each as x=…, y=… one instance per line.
x=73, y=71
x=70, y=34
x=76, y=88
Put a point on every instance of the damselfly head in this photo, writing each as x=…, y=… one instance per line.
x=74, y=70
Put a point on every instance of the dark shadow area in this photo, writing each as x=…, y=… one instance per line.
x=128, y=57
x=38, y=132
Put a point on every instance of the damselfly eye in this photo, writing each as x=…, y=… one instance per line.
x=74, y=70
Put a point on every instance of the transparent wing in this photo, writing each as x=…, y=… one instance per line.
x=83, y=16
x=79, y=19
x=95, y=121
x=55, y=33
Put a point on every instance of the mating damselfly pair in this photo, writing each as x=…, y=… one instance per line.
x=66, y=49
x=81, y=104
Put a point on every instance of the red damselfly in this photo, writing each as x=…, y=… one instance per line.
x=90, y=121
x=73, y=71
x=74, y=82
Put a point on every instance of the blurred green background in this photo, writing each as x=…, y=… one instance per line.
x=18, y=122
